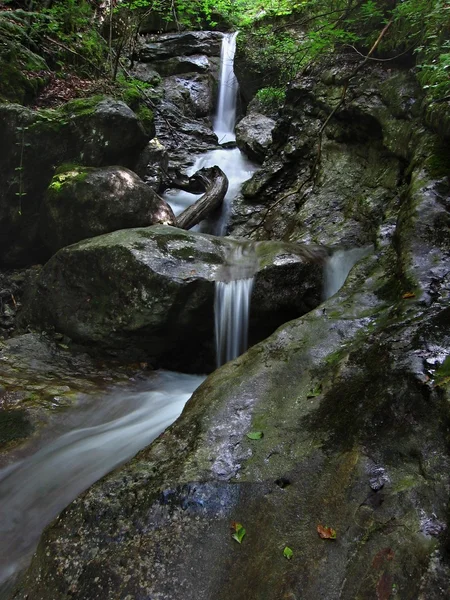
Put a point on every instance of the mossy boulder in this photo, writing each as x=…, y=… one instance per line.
x=92, y=132
x=148, y=293
x=83, y=202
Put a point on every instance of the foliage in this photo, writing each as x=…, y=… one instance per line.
x=305, y=31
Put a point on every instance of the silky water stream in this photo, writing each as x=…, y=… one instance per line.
x=105, y=433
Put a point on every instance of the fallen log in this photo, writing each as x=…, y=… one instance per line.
x=211, y=180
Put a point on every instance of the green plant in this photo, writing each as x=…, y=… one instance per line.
x=271, y=98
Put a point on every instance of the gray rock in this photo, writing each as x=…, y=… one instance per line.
x=178, y=44
x=153, y=164
x=82, y=203
x=193, y=94
x=254, y=136
x=178, y=65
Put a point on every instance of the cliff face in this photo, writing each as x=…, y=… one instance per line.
x=352, y=398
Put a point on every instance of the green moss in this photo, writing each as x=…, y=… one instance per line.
x=442, y=375
x=146, y=117
x=82, y=106
x=406, y=483
x=438, y=164
x=68, y=173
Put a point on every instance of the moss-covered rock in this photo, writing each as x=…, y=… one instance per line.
x=83, y=202
x=148, y=293
x=90, y=132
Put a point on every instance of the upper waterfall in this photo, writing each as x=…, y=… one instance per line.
x=225, y=118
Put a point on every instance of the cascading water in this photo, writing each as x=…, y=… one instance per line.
x=232, y=304
x=233, y=163
x=225, y=119
x=34, y=490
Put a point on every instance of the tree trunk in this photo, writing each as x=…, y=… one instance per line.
x=214, y=183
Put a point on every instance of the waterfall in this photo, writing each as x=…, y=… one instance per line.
x=232, y=304
x=228, y=87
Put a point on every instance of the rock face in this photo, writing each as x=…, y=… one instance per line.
x=188, y=64
x=148, y=294
x=84, y=202
x=187, y=43
x=254, y=136
x=364, y=156
x=93, y=132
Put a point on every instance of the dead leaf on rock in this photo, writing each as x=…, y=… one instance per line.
x=326, y=533
x=381, y=556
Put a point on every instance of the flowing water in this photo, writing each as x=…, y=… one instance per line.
x=109, y=432
x=338, y=267
x=225, y=119
x=236, y=166
x=232, y=304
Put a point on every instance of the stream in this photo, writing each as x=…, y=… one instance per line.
x=102, y=434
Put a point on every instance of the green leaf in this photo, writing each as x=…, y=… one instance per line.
x=287, y=553
x=239, y=532
x=254, y=435
x=315, y=391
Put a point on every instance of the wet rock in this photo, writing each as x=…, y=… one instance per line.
x=147, y=294
x=153, y=165
x=177, y=65
x=193, y=95
x=84, y=202
x=254, y=136
x=187, y=43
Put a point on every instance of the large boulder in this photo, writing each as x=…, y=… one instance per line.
x=83, y=202
x=254, y=136
x=148, y=294
x=92, y=132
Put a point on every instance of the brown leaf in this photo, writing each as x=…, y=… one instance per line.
x=384, y=587
x=408, y=295
x=381, y=556
x=326, y=533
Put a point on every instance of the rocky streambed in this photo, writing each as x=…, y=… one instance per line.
x=349, y=397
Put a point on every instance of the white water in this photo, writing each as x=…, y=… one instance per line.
x=338, y=267
x=225, y=119
x=109, y=432
x=232, y=305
